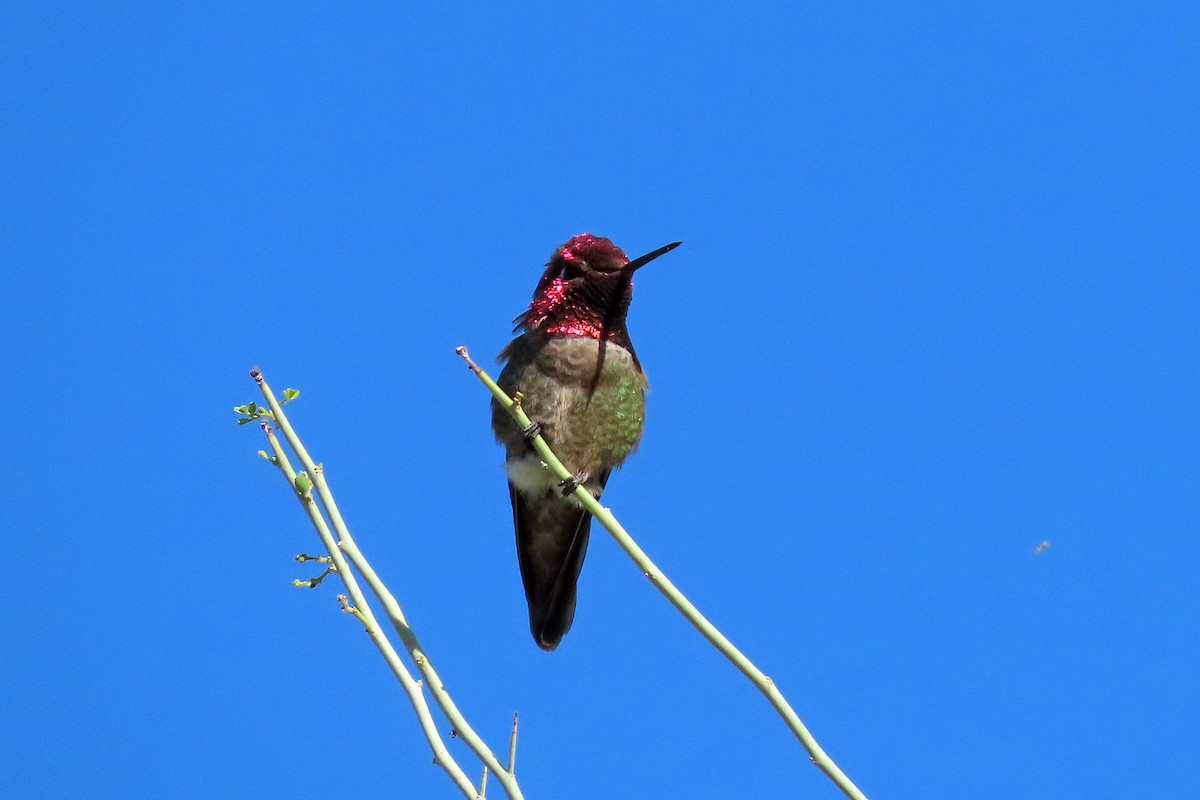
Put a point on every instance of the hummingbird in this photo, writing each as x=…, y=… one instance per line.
x=585, y=391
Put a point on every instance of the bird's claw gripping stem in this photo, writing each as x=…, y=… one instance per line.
x=531, y=432
x=569, y=485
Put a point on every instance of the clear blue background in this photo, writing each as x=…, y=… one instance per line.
x=937, y=302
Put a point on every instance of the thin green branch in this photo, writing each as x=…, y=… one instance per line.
x=677, y=598
x=345, y=544
x=362, y=610
x=512, y=747
x=392, y=608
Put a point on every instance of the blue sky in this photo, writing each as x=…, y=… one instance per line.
x=936, y=304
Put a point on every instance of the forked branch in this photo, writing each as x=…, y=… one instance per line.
x=323, y=512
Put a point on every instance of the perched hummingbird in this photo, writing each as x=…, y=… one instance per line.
x=584, y=390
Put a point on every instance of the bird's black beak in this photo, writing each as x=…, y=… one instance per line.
x=638, y=263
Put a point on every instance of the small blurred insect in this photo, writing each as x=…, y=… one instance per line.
x=1042, y=547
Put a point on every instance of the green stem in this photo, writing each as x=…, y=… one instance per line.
x=677, y=598
x=392, y=607
x=411, y=686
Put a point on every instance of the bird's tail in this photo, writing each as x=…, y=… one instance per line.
x=552, y=540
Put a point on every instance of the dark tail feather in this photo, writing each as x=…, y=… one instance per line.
x=551, y=618
x=552, y=540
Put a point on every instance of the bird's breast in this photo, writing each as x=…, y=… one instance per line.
x=591, y=412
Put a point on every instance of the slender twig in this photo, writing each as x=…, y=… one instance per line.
x=362, y=610
x=512, y=747
x=664, y=585
x=392, y=607
x=345, y=544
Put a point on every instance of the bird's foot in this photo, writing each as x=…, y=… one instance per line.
x=569, y=485
x=531, y=432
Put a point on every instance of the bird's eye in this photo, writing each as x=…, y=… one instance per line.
x=575, y=268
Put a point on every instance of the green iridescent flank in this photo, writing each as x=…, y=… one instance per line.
x=626, y=386
x=591, y=430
